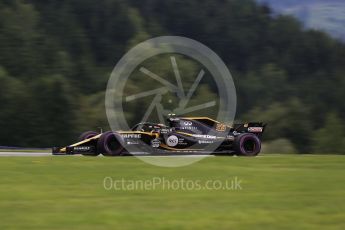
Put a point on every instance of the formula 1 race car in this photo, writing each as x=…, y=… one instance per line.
x=182, y=135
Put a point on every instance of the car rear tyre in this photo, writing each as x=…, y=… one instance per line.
x=110, y=144
x=247, y=144
x=87, y=135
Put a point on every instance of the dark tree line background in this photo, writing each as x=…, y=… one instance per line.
x=56, y=57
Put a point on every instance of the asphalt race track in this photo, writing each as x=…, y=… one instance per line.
x=40, y=154
x=24, y=154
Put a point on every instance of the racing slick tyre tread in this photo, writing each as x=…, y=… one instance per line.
x=87, y=135
x=247, y=144
x=110, y=144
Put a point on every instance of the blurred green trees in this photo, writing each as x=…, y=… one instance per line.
x=56, y=58
x=331, y=137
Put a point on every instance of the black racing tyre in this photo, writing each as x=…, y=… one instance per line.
x=110, y=144
x=87, y=135
x=247, y=144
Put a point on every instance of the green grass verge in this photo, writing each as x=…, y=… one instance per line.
x=278, y=192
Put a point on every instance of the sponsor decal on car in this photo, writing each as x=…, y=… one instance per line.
x=230, y=137
x=255, y=129
x=187, y=123
x=220, y=127
x=82, y=148
x=182, y=141
x=131, y=135
x=189, y=127
x=205, y=141
x=174, y=119
x=132, y=142
x=172, y=141
x=204, y=136
x=155, y=143
x=165, y=131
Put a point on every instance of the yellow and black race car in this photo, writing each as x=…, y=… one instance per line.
x=182, y=135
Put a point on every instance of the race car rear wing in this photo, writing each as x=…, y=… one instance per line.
x=252, y=127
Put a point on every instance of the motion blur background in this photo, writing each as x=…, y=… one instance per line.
x=287, y=59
